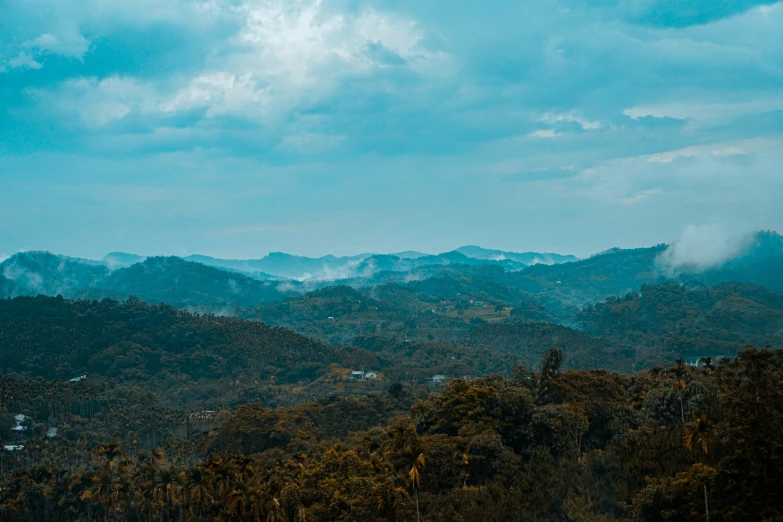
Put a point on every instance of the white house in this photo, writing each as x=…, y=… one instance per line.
x=357, y=374
x=438, y=378
x=701, y=362
x=370, y=375
x=77, y=379
x=13, y=447
x=20, y=418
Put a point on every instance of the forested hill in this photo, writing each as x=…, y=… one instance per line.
x=33, y=273
x=691, y=321
x=180, y=283
x=133, y=341
x=530, y=341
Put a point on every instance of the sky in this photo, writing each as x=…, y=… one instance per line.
x=238, y=127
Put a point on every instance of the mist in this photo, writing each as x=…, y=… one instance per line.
x=701, y=247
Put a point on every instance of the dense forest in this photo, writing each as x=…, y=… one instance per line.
x=673, y=443
x=429, y=389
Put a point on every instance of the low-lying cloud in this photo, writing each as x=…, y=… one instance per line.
x=704, y=246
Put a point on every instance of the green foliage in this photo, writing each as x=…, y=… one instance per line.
x=593, y=447
x=136, y=342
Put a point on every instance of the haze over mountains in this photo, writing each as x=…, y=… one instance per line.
x=560, y=285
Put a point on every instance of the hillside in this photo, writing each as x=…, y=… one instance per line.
x=33, y=273
x=133, y=341
x=691, y=321
x=183, y=284
x=530, y=341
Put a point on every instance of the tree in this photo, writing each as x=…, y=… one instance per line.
x=414, y=476
x=698, y=430
x=678, y=384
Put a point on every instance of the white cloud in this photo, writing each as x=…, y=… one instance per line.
x=299, y=41
x=69, y=44
x=640, y=196
x=570, y=117
x=23, y=60
x=691, y=173
x=704, y=246
x=716, y=150
x=98, y=102
x=543, y=133
x=221, y=93
x=284, y=54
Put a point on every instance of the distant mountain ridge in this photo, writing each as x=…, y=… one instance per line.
x=280, y=265
x=525, y=258
x=558, y=283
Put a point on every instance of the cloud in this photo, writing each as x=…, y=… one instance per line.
x=284, y=56
x=220, y=93
x=97, y=102
x=23, y=60
x=717, y=150
x=640, y=196
x=701, y=113
x=543, y=133
x=704, y=246
x=293, y=111
x=570, y=117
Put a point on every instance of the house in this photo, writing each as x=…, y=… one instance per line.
x=370, y=375
x=357, y=374
x=202, y=415
x=19, y=418
x=52, y=432
x=437, y=378
x=77, y=379
x=13, y=447
x=479, y=304
x=701, y=362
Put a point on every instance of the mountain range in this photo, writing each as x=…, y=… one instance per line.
x=559, y=286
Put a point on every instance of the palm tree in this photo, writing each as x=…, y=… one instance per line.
x=463, y=456
x=678, y=385
x=414, y=476
x=699, y=431
x=198, y=491
x=165, y=490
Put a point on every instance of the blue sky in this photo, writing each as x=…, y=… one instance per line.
x=239, y=127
